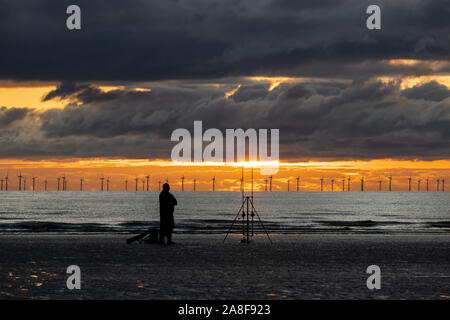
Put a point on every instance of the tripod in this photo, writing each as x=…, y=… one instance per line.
x=248, y=212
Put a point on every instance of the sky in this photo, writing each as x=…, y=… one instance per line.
x=347, y=100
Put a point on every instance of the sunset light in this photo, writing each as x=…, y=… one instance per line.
x=215, y=159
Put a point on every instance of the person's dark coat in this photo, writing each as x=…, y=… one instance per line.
x=167, y=203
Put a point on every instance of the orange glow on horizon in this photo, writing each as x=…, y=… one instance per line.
x=28, y=97
x=227, y=175
x=123, y=163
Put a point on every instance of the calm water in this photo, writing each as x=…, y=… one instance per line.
x=213, y=212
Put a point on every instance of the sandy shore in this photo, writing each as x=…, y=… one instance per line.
x=201, y=267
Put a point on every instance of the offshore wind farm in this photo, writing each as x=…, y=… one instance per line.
x=325, y=203
x=280, y=183
x=359, y=207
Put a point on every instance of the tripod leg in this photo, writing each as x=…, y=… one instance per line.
x=235, y=218
x=243, y=220
x=262, y=224
x=248, y=221
x=253, y=215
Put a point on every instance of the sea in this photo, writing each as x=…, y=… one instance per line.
x=219, y=212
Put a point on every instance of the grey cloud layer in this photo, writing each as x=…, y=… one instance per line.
x=195, y=42
x=175, y=39
x=429, y=91
x=328, y=120
x=10, y=115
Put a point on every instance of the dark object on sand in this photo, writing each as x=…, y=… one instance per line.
x=149, y=236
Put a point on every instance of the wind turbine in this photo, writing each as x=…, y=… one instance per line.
x=437, y=185
x=418, y=185
x=45, y=184
x=409, y=184
x=321, y=184
x=20, y=180
x=379, y=185
x=348, y=184
x=136, y=183
x=107, y=184
x=194, y=183
x=390, y=183
x=362, y=184
x=298, y=183
x=81, y=184
x=270, y=179
x=332, y=185
x=126, y=185
x=148, y=182
x=102, y=179
x=343, y=184
x=33, y=178
x=58, y=181
x=182, y=183
x=214, y=184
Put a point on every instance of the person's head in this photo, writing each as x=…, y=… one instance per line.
x=166, y=187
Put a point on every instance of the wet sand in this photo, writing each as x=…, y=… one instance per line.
x=309, y=266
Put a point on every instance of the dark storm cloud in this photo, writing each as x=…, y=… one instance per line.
x=121, y=112
x=298, y=92
x=66, y=90
x=365, y=119
x=175, y=39
x=429, y=91
x=10, y=115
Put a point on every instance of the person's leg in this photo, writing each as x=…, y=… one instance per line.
x=169, y=237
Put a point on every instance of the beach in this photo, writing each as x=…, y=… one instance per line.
x=301, y=266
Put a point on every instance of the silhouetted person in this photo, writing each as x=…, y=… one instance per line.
x=167, y=203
